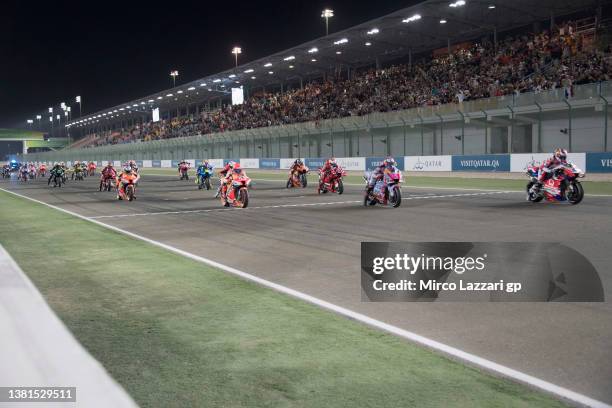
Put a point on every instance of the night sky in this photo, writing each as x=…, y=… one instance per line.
x=117, y=51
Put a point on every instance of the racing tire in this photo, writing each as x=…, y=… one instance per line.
x=304, y=180
x=243, y=197
x=207, y=183
x=397, y=197
x=289, y=183
x=129, y=192
x=340, y=187
x=577, y=195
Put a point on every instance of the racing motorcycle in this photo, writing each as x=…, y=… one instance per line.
x=106, y=184
x=129, y=191
x=563, y=186
x=78, y=175
x=334, y=184
x=184, y=172
x=204, y=180
x=237, y=192
x=58, y=180
x=298, y=179
x=386, y=191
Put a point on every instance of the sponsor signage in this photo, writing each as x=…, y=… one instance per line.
x=216, y=163
x=351, y=163
x=520, y=162
x=490, y=162
x=249, y=163
x=428, y=163
x=166, y=163
x=372, y=162
x=156, y=163
x=286, y=163
x=139, y=163
x=269, y=163
x=117, y=163
x=147, y=163
x=599, y=162
x=312, y=163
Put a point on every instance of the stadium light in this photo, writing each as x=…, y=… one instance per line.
x=253, y=77
x=248, y=71
x=368, y=44
x=443, y=21
x=289, y=58
x=270, y=72
x=50, y=110
x=179, y=92
x=267, y=65
x=232, y=75
x=341, y=41
x=458, y=3
x=236, y=51
x=174, y=74
x=314, y=60
x=78, y=100
x=216, y=81
x=412, y=18
x=313, y=50
x=160, y=97
x=492, y=6
x=30, y=121
x=191, y=88
x=373, y=31
x=169, y=95
x=327, y=14
x=338, y=52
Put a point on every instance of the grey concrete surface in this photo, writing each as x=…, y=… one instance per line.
x=297, y=239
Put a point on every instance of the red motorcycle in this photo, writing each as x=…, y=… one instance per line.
x=184, y=172
x=386, y=191
x=332, y=182
x=562, y=186
x=236, y=192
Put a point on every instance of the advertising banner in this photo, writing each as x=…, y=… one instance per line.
x=147, y=163
x=428, y=163
x=139, y=163
x=351, y=163
x=166, y=163
x=599, y=162
x=312, y=164
x=156, y=163
x=286, y=163
x=117, y=163
x=216, y=163
x=269, y=163
x=249, y=163
x=372, y=162
x=483, y=162
x=520, y=162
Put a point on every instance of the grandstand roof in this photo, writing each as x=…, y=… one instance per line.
x=414, y=29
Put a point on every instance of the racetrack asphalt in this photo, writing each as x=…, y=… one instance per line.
x=311, y=243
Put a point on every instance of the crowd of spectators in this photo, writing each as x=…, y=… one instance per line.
x=527, y=63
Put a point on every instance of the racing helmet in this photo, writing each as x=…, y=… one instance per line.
x=232, y=164
x=127, y=169
x=560, y=154
x=389, y=162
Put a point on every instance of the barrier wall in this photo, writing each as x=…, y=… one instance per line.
x=516, y=163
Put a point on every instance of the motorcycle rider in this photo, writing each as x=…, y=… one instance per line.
x=298, y=167
x=326, y=171
x=377, y=174
x=224, y=174
x=107, y=173
x=124, y=179
x=56, y=170
x=183, y=165
x=559, y=158
x=235, y=173
x=203, y=168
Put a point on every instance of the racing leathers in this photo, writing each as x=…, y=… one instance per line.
x=125, y=178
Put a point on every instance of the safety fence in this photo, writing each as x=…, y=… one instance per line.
x=597, y=162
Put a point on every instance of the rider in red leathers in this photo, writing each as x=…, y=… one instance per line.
x=223, y=176
x=327, y=168
x=559, y=158
x=107, y=173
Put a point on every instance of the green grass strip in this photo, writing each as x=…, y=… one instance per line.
x=590, y=187
x=177, y=333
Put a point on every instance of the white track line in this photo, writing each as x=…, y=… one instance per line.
x=507, y=372
x=97, y=217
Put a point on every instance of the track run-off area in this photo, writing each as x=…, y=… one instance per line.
x=311, y=243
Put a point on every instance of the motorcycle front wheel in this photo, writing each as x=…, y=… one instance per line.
x=340, y=187
x=532, y=197
x=396, y=200
x=243, y=197
x=575, y=193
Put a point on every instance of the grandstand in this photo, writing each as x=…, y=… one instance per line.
x=426, y=63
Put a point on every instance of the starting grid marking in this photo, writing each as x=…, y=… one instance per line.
x=422, y=197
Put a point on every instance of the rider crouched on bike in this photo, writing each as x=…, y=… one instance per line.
x=56, y=170
x=377, y=174
x=204, y=168
x=224, y=176
x=298, y=167
x=327, y=169
x=108, y=173
x=126, y=177
x=236, y=173
x=559, y=158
